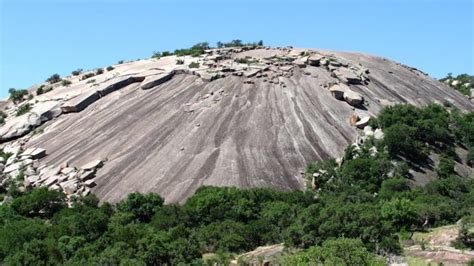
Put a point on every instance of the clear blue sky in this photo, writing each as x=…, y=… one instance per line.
x=42, y=37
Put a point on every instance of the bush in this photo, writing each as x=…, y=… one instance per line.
x=445, y=166
x=194, y=65
x=17, y=95
x=23, y=109
x=66, y=83
x=99, y=71
x=120, y=62
x=77, y=72
x=54, y=78
x=179, y=61
x=3, y=115
x=88, y=75
x=110, y=68
x=41, y=202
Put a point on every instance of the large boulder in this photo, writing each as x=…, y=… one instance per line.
x=347, y=76
x=353, y=98
x=314, y=59
x=338, y=90
x=46, y=110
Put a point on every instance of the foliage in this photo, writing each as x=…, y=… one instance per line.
x=445, y=166
x=76, y=72
x=179, y=61
x=87, y=75
x=17, y=95
x=238, y=43
x=23, y=109
x=341, y=251
x=43, y=89
x=194, y=65
x=66, y=82
x=462, y=83
x=99, y=71
x=3, y=115
x=54, y=78
x=359, y=208
x=110, y=68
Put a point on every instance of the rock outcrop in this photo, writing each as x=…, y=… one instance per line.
x=246, y=117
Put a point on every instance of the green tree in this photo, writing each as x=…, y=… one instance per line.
x=40, y=202
x=142, y=206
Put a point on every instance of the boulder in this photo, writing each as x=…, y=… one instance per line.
x=92, y=165
x=368, y=131
x=87, y=175
x=70, y=188
x=378, y=134
x=89, y=183
x=51, y=180
x=353, y=120
x=347, y=75
x=46, y=111
x=12, y=167
x=38, y=153
x=338, y=90
x=314, y=59
x=363, y=122
x=301, y=62
x=17, y=126
x=80, y=102
x=251, y=73
x=353, y=98
x=153, y=81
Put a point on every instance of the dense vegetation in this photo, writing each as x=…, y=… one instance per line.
x=462, y=83
x=356, y=210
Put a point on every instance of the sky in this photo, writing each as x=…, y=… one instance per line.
x=41, y=37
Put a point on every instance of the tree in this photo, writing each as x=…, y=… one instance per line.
x=54, y=78
x=40, y=202
x=341, y=251
x=143, y=207
x=401, y=211
x=17, y=95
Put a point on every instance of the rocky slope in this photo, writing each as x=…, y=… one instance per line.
x=243, y=117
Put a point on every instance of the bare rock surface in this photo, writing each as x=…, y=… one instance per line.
x=169, y=129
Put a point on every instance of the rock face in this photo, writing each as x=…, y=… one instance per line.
x=250, y=124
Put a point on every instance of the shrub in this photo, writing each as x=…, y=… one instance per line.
x=194, y=65
x=3, y=115
x=23, y=109
x=445, y=166
x=40, y=90
x=179, y=61
x=17, y=95
x=77, y=72
x=54, y=78
x=88, y=75
x=120, y=62
x=90, y=81
x=66, y=83
x=99, y=71
x=110, y=68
